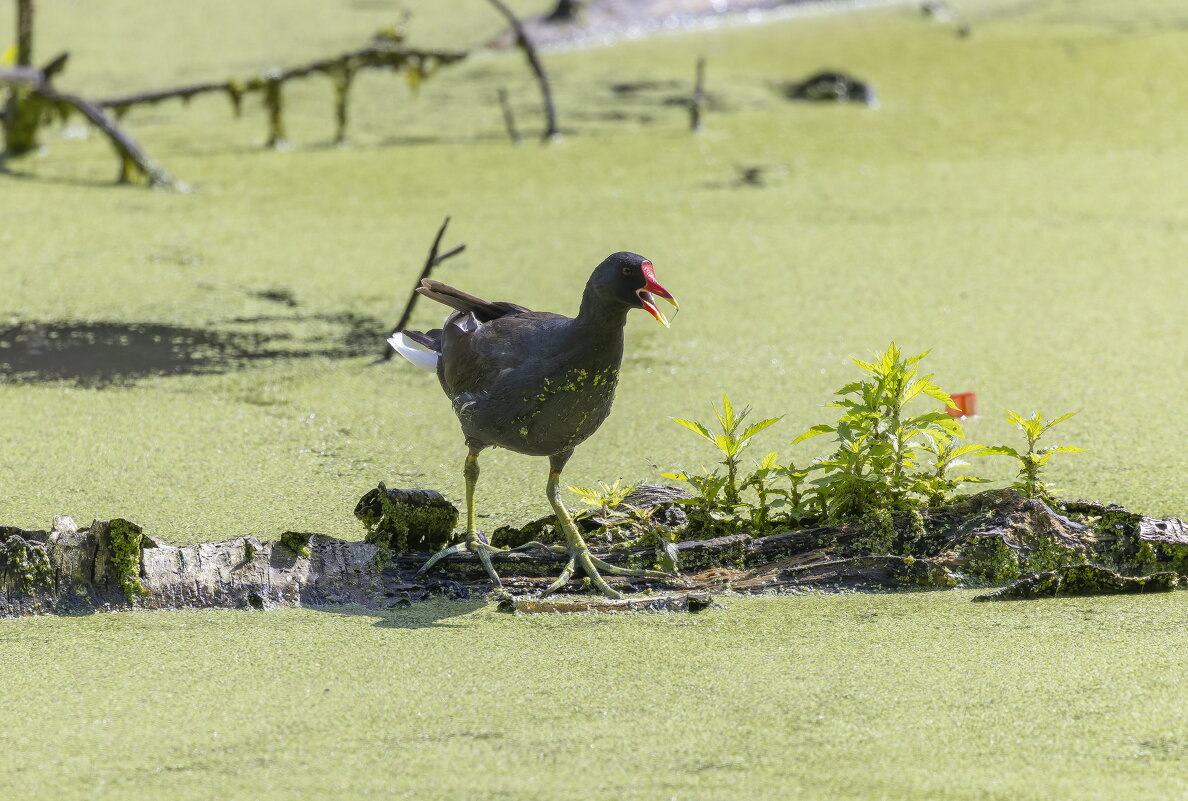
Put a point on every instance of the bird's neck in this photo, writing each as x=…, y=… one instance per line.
x=598, y=313
x=599, y=329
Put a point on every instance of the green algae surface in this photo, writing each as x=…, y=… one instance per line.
x=1014, y=204
x=1011, y=205
x=909, y=696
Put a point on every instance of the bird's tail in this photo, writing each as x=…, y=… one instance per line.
x=405, y=343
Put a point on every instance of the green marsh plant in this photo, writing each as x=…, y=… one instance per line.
x=936, y=486
x=876, y=466
x=605, y=504
x=892, y=458
x=1031, y=462
x=718, y=505
x=731, y=440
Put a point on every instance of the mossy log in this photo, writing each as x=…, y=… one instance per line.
x=1083, y=580
x=983, y=539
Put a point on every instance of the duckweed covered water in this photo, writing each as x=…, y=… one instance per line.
x=911, y=696
x=1011, y=205
x=1014, y=204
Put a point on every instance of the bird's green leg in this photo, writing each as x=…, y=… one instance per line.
x=472, y=543
x=579, y=553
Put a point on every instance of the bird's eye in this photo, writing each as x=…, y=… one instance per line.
x=628, y=270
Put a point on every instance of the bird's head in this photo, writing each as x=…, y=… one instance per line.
x=629, y=279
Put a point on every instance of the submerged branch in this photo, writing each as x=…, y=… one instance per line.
x=39, y=97
x=385, y=52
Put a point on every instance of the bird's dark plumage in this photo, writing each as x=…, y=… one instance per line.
x=533, y=382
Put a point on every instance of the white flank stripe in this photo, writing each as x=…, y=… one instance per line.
x=426, y=360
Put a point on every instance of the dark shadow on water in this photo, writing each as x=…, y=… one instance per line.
x=420, y=615
x=100, y=354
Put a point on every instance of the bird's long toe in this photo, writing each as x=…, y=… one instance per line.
x=484, y=555
x=637, y=572
x=442, y=554
x=472, y=544
x=563, y=579
x=589, y=565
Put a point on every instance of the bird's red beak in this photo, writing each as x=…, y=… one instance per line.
x=651, y=290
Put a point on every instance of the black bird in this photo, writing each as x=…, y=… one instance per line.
x=535, y=383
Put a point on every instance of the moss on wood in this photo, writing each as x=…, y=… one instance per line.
x=1083, y=580
x=399, y=520
x=297, y=542
x=124, y=539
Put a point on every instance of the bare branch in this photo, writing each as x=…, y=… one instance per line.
x=698, y=103
x=133, y=159
x=509, y=118
x=551, y=130
x=432, y=261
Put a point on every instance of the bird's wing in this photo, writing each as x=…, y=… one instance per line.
x=477, y=356
x=484, y=311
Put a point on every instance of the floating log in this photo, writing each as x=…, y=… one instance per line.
x=992, y=537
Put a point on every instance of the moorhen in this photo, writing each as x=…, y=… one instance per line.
x=535, y=383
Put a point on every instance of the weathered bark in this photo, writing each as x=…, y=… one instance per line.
x=991, y=537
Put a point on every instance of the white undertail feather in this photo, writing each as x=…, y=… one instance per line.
x=426, y=360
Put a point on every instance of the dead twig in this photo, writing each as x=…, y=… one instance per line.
x=696, y=106
x=432, y=261
x=509, y=117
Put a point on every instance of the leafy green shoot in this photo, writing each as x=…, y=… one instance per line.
x=1031, y=462
x=606, y=501
x=731, y=440
x=876, y=462
x=948, y=452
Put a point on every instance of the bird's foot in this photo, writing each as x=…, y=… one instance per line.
x=475, y=543
x=637, y=572
x=591, y=565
